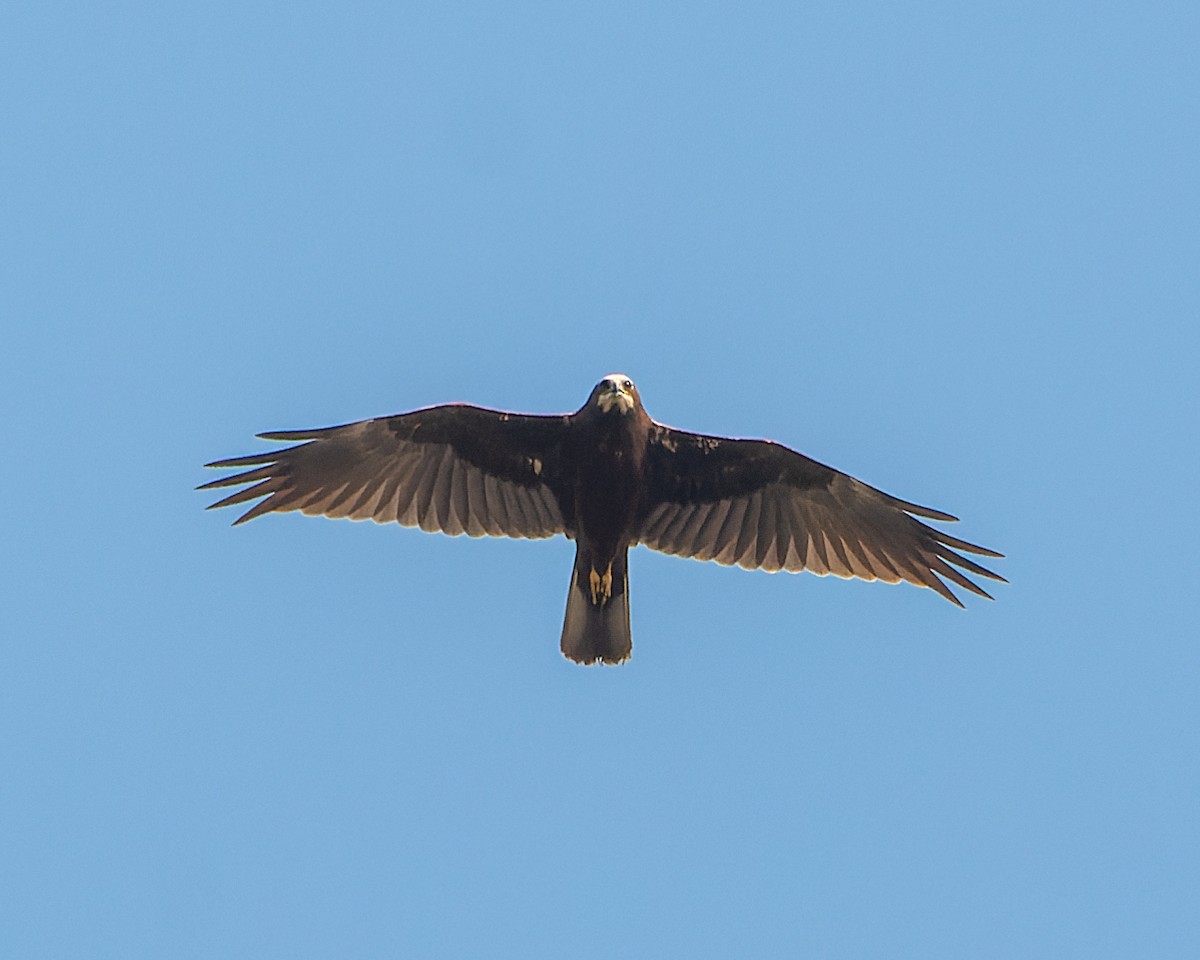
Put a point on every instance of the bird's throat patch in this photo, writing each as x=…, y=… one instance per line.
x=621, y=400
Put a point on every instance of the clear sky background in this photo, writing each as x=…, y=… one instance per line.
x=949, y=248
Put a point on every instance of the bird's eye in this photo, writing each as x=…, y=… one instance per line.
x=627, y=384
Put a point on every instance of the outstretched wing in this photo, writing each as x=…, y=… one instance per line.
x=454, y=468
x=760, y=505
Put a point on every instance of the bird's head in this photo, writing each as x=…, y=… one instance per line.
x=616, y=392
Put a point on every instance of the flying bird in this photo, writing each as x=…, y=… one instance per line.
x=607, y=477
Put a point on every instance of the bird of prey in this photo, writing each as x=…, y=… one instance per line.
x=608, y=477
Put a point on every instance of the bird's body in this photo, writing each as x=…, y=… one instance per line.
x=608, y=443
x=608, y=477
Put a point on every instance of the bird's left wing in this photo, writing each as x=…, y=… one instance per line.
x=760, y=505
x=453, y=468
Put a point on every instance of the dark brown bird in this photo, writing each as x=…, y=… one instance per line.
x=609, y=478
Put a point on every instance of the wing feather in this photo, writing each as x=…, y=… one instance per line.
x=553, y=517
x=250, y=476
x=741, y=528
x=659, y=522
x=841, y=566
x=768, y=533
x=725, y=548
x=407, y=497
x=454, y=469
x=538, y=515
x=388, y=509
x=439, y=496
x=818, y=562
x=425, y=494
x=457, y=517
x=687, y=524
x=792, y=560
x=724, y=520
x=514, y=508
x=802, y=533
x=363, y=506
x=761, y=505
x=325, y=497
x=476, y=503
x=497, y=510
x=848, y=549
x=873, y=562
x=260, y=489
x=455, y=524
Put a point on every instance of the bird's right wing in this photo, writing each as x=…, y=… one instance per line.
x=454, y=469
x=760, y=505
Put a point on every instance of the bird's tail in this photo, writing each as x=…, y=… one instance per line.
x=596, y=627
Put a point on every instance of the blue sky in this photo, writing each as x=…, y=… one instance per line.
x=950, y=249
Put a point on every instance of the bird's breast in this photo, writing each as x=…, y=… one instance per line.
x=608, y=491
